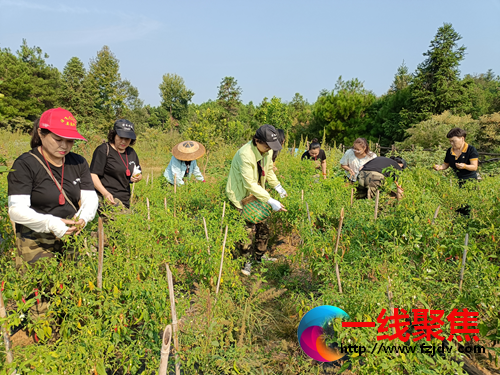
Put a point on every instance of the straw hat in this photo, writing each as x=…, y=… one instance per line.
x=188, y=150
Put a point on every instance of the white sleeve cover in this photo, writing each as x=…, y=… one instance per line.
x=89, y=203
x=20, y=212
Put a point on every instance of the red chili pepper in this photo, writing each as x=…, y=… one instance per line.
x=36, y=295
x=3, y=282
x=116, y=329
x=61, y=286
x=24, y=301
x=36, y=338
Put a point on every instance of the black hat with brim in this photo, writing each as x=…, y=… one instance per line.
x=268, y=134
x=125, y=129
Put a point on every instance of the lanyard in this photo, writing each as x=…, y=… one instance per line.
x=123, y=161
x=61, y=196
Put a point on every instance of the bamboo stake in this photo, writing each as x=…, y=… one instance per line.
x=435, y=214
x=463, y=262
x=152, y=178
x=147, y=203
x=5, y=333
x=165, y=203
x=302, y=195
x=132, y=195
x=309, y=217
x=174, y=319
x=147, y=180
x=222, y=220
x=376, y=205
x=221, y=262
x=175, y=184
x=206, y=233
x=352, y=197
x=337, y=248
x=165, y=350
x=100, y=234
x=175, y=194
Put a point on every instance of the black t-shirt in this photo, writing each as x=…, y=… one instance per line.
x=379, y=163
x=468, y=153
x=112, y=171
x=30, y=178
x=321, y=156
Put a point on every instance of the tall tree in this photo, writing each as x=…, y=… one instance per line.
x=436, y=86
x=274, y=113
x=30, y=85
x=175, y=96
x=342, y=113
x=77, y=94
x=229, y=95
x=106, y=80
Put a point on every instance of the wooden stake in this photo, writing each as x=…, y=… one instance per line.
x=100, y=235
x=302, y=195
x=175, y=184
x=337, y=248
x=165, y=203
x=174, y=319
x=309, y=217
x=152, y=178
x=5, y=333
x=376, y=205
x=352, y=197
x=435, y=214
x=147, y=180
x=147, y=203
x=222, y=220
x=206, y=233
x=221, y=262
x=463, y=262
x=165, y=350
x=132, y=195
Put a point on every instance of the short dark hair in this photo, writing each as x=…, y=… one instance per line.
x=281, y=136
x=36, y=141
x=314, y=144
x=400, y=160
x=112, y=134
x=456, y=132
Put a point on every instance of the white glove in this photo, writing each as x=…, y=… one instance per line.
x=281, y=191
x=276, y=205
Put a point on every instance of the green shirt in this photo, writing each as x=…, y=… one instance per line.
x=243, y=177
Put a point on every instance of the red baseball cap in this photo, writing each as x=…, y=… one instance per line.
x=60, y=122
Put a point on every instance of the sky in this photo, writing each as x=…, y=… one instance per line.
x=272, y=48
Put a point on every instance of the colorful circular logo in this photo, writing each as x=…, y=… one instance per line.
x=311, y=330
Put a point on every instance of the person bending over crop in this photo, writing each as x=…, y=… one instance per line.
x=462, y=158
x=355, y=158
x=251, y=168
x=281, y=139
x=372, y=175
x=115, y=165
x=51, y=194
x=317, y=154
x=183, y=162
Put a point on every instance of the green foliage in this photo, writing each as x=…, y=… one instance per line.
x=229, y=96
x=342, y=112
x=30, y=86
x=274, y=113
x=432, y=132
x=106, y=82
x=175, y=97
x=436, y=86
x=485, y=93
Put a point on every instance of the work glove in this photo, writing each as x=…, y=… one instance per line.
x=276, y=205
x=281, y=191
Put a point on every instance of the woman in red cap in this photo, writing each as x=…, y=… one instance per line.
x=50, y=189
x=115, y=165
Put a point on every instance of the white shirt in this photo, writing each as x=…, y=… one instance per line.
x=354, y=163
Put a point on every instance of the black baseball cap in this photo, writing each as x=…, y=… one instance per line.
x=124, y=128
x=269, y=134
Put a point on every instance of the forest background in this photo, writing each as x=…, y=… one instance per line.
x=418, y=109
